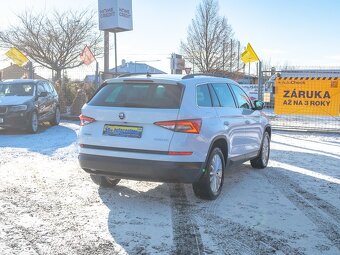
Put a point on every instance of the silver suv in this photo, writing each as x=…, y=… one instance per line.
x=171, y=128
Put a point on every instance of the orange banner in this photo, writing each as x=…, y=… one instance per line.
x=307, y=96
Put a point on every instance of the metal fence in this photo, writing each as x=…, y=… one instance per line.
x=304, y=99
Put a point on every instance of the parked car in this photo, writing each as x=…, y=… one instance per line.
x=171, y=128
x=26, y=103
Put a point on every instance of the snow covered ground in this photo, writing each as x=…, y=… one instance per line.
x=48, y=205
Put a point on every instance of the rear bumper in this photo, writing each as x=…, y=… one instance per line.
x=140, y=169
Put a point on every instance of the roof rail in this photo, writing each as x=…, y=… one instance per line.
x=190, y=76
x=132, y=74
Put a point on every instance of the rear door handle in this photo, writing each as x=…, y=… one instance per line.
x=247, y=122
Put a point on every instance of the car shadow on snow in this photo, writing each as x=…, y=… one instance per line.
x=158, y=219
x=46, y=141
x=163, y=219
x=139, y=221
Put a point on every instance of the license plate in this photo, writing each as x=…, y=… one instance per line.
x=122, y=131
x=1, y=120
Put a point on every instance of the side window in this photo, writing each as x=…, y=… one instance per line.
x=224, y=95
x=50, y=88
x=215, y=101
x=241, y=97
x=54, y=92
x=40, y=88
x=203, y=96
x=47, y=88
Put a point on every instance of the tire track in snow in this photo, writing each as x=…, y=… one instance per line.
x=309, y=204
x=323, y=205
x=236, y=239
x=26, y=234
x=187, y=238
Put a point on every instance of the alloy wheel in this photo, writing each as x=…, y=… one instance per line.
x=265, y=150
x=216, y=173
x=34, y=122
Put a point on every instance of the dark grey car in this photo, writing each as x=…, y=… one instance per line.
x=26, y=103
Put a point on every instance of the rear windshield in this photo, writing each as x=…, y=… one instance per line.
x=139, y=95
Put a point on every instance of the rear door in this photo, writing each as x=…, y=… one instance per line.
x=252, y=126
x=49, y=100
x=231, y=117
x=125, y=114
x=42, y=101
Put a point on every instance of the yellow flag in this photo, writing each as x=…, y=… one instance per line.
x=249, y=55
x=17, y=56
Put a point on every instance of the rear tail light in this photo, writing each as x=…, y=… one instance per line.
x=84, y=120
x=183, y=126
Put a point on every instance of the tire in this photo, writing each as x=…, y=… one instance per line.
x=104, y=181
x=261, y=161
x=56, y=117
x=33, y=123
x=210, y=185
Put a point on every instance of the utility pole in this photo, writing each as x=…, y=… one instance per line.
x=223, y=55
x=231, y=55
x=238, y=56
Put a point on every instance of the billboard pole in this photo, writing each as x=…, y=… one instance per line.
x=106, y=53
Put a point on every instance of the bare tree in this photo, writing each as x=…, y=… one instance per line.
x=54, y=41
x=209, y=44
x=230, y=54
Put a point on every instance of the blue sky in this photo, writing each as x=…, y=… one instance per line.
x=301, y=33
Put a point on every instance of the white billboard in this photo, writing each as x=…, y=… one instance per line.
x=115, y=15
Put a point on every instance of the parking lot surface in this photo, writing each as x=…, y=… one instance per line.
x=48, y=205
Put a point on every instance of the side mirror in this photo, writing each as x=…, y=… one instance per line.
x=43, y=94
x=258, y=105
